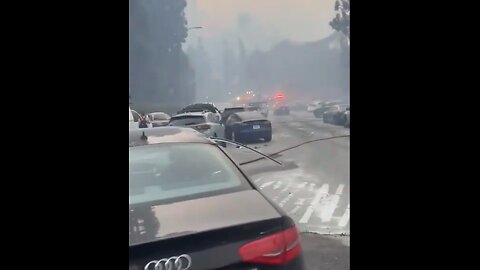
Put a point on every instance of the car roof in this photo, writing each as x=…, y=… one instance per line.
x=249, y=116
x=166, y=135
x=199, y=106
x=195, y=114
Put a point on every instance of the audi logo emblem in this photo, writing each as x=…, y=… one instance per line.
x=182, y=262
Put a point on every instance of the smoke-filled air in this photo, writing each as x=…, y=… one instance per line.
x=217, y=50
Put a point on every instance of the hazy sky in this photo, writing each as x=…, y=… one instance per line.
x=260, y=23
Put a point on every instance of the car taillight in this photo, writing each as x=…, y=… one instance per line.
x=276, y=249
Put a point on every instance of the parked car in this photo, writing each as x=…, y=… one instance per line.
x=248, y=126
x=228, y=111
x=202, y=107
x=318, y=112
x=335, y=114
x=204, y=122
x=159, y=119
x=190, y=203
x=314, y=105
x=260, y=106
x=132, y=122
x=347, y=118
x=281, y=109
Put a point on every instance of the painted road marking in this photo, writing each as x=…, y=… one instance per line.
x=300, y=201
x=277, y=185
x=302, y=185
x=294, y=210
x=340, y=189
x=327, y=208
x=258, y=179
x=285, y=200
x=286, y=187
x=345, y=218
x=321, y=193
x=264, y=185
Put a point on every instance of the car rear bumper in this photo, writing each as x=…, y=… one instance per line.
x=254, y=134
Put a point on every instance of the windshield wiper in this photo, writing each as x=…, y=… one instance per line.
x=216, y=139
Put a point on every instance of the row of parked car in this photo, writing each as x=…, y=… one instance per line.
x=243, y=124
x=332, y=112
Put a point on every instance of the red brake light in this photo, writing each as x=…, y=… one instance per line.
x=276, y=249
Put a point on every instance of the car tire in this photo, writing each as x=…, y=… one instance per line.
x=268, y=138
x=228, y=134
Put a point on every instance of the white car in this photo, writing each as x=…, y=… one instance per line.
x=347, y=118
x=315, y=105
x=133, y=121
x=207, y=123
x=159, y=119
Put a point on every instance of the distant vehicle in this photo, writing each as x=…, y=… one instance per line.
x=191, y=207
x=260, y=106
x=347, y=118
x=159, y=119
x=228, y=111
x=248, y=126
x=204, y=122
x=202, y=107
x=335, y=114
x=299, y=106
x=315, y=105
x=281, y=109
x=318, y=112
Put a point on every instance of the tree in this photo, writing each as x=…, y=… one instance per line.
x=341, y=22
x=158, y=66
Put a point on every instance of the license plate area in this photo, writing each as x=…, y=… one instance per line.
x=256, y=126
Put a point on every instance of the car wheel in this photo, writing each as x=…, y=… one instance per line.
x=268, y=138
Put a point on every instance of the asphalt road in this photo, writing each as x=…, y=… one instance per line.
x=312, y=186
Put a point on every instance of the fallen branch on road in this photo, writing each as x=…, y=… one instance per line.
x=293, y=147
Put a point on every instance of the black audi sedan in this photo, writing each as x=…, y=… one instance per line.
x=192, y=208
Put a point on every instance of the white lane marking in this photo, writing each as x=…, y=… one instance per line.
x=312, y=186
x=286, y=187
x=321, y=193
x=327, y=208
x=345, y=218
x=340, y=189
x=294, y=210
x=275, y=199
x=264, y=185
x=277, y=185
x=300, y=201
x=302, y=185
x=258, y=179
x=285, y=200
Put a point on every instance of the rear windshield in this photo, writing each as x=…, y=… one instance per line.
x=175, y=171
x=233, y=110
x=199, y=108
x=187, y=120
